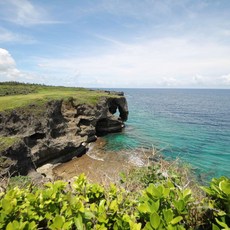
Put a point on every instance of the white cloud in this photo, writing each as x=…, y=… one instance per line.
x=24, y=13
x=226, y=79
x=8, y=36
x=127, y=66
x=6, y=61
x=154, y=63
x=9, y=71
x=216, y=81
x=135, y=9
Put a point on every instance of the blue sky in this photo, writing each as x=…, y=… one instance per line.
x=116, y=43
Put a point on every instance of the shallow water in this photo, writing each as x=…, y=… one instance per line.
x=193, y=125
x=102, y=166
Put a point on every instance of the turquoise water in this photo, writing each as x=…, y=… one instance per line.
x=193, y=125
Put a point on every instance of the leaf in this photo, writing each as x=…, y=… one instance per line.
x=78, y=222
x=225, y=187
x=206, y=190
x=179, y=205
x=89, y=215
x=81, y=207
x=176, y=220
x=221, y=213
x=48, y=216
x=170, y=227
x=155, y=220
x=154, y=206
x=101, y=207
x=13, y=225
x=187, y=192
x=67, y=225
x=102, y=218
x=215, y=188
x=222, y=224
x=93, y=207
x=153, y=191
x=143, y=208
x=10, y=226
x=6, y=205
x=148, y=226
x=168, y=215
x=215, y=227
x=58, y=185
x=170, y=185
x=126, y=218
x=113, y=205
x=135, y=226
x=23, y=225
x=32, y=225
x=166, y=192
x=58, y=221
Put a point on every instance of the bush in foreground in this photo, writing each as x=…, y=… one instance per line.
x=82, y=205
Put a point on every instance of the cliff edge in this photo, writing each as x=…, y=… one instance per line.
x=37, y=133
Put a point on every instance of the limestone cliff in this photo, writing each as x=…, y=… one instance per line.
x=60, y=129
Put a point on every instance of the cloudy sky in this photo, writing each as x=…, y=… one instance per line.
x=116, y=43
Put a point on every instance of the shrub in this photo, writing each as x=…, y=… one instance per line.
x=218, y=203
x=82, y=205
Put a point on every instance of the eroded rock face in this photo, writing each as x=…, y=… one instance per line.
x=121, y=105
x=61, y=130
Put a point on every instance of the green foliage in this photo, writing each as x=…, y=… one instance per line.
x=218, y=203
x=81, y=205
x=15, y=88
x=66, y=206
x=164, y=206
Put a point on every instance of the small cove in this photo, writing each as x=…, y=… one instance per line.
x=100, y=165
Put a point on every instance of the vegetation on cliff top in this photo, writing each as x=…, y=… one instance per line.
x=15, y=95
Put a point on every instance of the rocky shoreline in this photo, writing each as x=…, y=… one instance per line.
x=98, y=164
x=60, y=131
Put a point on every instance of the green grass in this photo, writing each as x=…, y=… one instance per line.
x=6, y=142
x=39, y=95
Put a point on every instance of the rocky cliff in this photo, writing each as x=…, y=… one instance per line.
x=59, y=129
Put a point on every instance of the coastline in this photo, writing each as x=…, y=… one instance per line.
x=100, y=166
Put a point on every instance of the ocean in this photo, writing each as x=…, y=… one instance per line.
x=190, y=124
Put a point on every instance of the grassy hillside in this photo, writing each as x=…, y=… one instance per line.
x=14, y=95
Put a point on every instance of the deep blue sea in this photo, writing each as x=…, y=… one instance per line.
x=192, y=124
